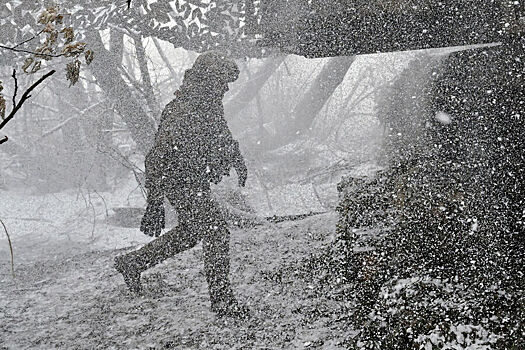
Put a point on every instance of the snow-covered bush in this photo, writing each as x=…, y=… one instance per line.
x=448, y=273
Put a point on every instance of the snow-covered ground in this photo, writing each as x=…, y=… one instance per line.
x=65, y=293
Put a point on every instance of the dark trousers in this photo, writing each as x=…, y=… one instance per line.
x=199, y=218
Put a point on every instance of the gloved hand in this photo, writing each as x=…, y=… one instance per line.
x=153, y=220
x=242, y=173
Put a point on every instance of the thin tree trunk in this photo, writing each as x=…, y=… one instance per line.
x=319, y=92
x=251, y=19
x=253, y=86
x=147, y=85
x=165, y=59
x=105, y=69
x=95, y=122
x=313, y=100
x=116, y=44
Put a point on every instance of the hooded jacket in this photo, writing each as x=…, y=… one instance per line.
x=193, y=145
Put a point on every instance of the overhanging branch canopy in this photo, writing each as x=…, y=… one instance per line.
x=311, y=28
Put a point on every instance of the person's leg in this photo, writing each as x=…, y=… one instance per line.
x=216, y=247
x=132, y=264
x=184, y=236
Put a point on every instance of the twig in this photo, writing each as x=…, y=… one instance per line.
x=16, y=87
x=133, y=82
x=143, y=192
x=89, y=204
x=28, y=40
x=94, y=216
x=83, y=183
x=36, y=104
x=123, y=160
x=39, y=53
x=127, y=164
x=142, y=189
x=80, y=193
x=265, y=189
x=10, y=249
x=319, y=197
x=58, y=127
x=281, y=218
x=115, y=130
x=341, y=164
x=164, y=58
x=104, y=201
x=28, y=219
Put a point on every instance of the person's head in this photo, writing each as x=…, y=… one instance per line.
x=212, y=71
x=213, y=64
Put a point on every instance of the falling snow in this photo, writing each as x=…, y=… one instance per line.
x=262, y=174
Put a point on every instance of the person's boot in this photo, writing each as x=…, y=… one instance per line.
x=228, y=306
x=132, y=264
x=233, y=310
x=126, y=265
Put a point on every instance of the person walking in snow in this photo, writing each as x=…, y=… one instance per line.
x=193, y=148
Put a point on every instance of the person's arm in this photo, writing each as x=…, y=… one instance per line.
x=155, y=164
x=153, y=220
x=233, y=152
x=156, y=159
x=239, y=164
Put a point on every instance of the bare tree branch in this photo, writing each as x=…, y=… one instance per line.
x=164, y=58
x=28, y=40
x=38, y=105
x=26, y=95
x=13, y=48
x=147, y=86
x=58, y=127
x=10, y=248
x=16, y=87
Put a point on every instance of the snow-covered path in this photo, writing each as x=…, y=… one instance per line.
x=78, y=301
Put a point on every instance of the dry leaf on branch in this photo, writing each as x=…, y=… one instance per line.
x=73, y=49
x=73, y=71
x=50, y=27
x=36, y=67
x=45, y=17
x=3, y=105
x=69, y=34
x=27, y=63
x=53, y=46
x=52, y=38
x=44, y=52
x=89, y=55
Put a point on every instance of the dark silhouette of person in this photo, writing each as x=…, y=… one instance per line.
x=193, y=148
